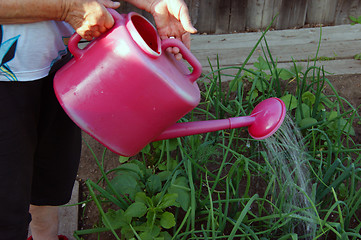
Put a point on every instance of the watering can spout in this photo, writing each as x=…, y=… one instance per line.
x=263, y=122
x=198, y=127
x=112, y=108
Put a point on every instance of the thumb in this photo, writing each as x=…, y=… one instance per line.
x=110, y=4
x=186, y=21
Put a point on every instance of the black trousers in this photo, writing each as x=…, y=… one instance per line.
x=39, y=153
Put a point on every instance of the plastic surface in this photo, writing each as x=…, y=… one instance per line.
x=264, y=120
x=123, y=88
x=126, y=91
x=269, y=115
x=191, y=128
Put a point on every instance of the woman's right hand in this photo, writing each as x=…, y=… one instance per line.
x=89, y=18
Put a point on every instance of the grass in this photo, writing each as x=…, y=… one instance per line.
x=223, y=185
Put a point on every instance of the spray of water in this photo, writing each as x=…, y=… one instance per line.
x=288, y=158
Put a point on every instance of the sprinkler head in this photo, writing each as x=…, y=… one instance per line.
x=269, y=115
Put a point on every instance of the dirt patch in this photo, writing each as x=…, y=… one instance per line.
x=88, y=169
x=347, y=86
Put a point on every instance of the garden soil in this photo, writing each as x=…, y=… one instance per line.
x=347, y=86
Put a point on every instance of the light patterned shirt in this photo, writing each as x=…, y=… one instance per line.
x=27, y=51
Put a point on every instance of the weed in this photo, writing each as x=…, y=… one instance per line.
x=222, y=185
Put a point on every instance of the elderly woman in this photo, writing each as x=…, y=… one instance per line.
x=40, y=145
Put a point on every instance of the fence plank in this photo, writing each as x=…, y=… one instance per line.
x=193, y=8
x=223, y=16
x=345, y=9
x=227, y=16
x=127, y=7
x=292, y=14
x=206, y=16
x=254, y=14
x=321, y=11
x=237, y=21
x=261, y=12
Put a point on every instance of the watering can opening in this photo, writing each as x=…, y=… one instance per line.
x=144, y=34
x=127, y=111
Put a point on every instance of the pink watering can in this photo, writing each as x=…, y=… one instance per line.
x=126, y=90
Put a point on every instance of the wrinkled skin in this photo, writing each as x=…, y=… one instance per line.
x=90, y=18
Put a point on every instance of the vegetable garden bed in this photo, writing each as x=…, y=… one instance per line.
x=223, y=185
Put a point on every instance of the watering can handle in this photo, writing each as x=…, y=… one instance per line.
x=75, y=38
x=187, y=55
x=73, y=46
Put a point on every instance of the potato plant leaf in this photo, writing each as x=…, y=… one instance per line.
x=150, y=233
x=290, y=101
x=123, y=159
x=125, y=184
x=308, y=98
x=153, y=184
x=306, y=122
x=141, y=198
x=261, y=64
x=116, y=219
x=131, y=169
x=168, y=200
x=137, y=209
x=181, y=188
x=285, y=74
x=347, y=127
x=167, y=220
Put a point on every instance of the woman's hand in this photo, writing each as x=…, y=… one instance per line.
x=172, y=20
x=89, y=18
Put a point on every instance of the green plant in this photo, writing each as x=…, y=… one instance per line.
x=357, y=56
x=141, y=198
x=355, y=20
x=225, y=185
x=146, y=217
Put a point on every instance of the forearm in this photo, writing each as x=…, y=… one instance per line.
x=25, y=11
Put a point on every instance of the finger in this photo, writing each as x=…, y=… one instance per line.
x=98, y=27
x=175, y=50
x=94, y=28
x=96, y=34
x=186, y=39
x=93, y=31
x=110, y=4
x=87, y=37
x=178, y=56
x=109, y=20
x=186, y=20
x=170, y=50
x=84, y=34
x=102, y=29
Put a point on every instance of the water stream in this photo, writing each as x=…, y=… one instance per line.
x=288, y=158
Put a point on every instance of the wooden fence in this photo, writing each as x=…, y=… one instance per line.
x=228, y=16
